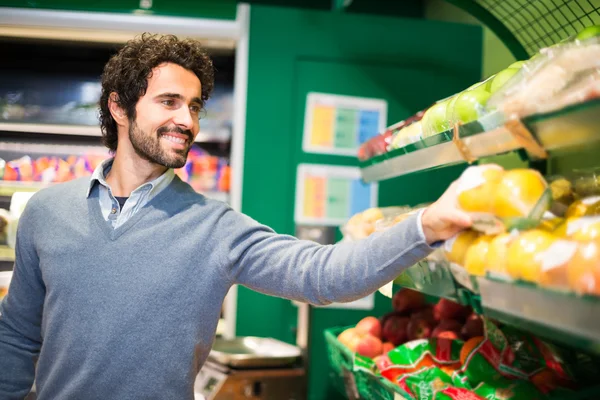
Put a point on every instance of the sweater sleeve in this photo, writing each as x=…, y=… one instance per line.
x=284, y=266
x=21, y=315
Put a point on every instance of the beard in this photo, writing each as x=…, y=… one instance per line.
x=148, y=146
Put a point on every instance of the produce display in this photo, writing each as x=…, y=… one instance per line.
x=558, y=76
x=445, y=351
x=202, y=171
x=555, y=250
x=413, y=318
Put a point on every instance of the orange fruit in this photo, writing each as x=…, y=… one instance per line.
x=523, y=261
x=581, y=229
x=468, y=348
x=477, y=255
x=587, y=206
x=480, y=184
x=518, y=192
x=457, y=247
x=583, y=270
x=497, y=256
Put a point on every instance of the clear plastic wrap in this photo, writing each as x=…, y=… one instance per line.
x=558, y=76
x=371, y=220
x=407, y=135
x=501, y=200
x=435, y=119
x=469, y=105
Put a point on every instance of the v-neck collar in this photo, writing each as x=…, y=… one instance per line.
x=112, y=233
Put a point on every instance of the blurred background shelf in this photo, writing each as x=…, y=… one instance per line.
x=219, y=135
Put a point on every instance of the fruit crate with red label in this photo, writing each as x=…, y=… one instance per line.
x=355, y=383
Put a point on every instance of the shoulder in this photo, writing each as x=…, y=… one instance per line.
x=70, y=191
x=188, y=197
x=56, y=195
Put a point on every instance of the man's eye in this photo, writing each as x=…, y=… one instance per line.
x=168, y=103
x=195, y=109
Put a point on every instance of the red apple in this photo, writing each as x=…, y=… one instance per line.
x=388, y=346
x=369, y=346
x=395, y=328
x=447, y=325
x=447, y=335
x=350, y=338
x=370, y=325
x=473, y=327
x=382, y=362
x=418, y=329
x=407, y=300
x=424, y=313
x=447, y=309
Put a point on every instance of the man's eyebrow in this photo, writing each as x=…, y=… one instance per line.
x=179, y=97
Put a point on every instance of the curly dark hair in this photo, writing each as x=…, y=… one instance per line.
x=128, y=71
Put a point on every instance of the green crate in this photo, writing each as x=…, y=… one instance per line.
x=356, y=383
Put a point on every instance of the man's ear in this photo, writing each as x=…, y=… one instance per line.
x=115, y=109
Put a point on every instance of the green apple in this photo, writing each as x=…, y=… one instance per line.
x=501, y=78
x=517, y=65
x=434, y=120
x=589, y=32
x=469, y=105
x=450, y=108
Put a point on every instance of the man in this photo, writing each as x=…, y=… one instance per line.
x=119, y=280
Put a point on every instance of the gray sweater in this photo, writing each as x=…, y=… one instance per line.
x=131, y=313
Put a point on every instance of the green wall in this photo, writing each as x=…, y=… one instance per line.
x=295, y=51
x=496, y=55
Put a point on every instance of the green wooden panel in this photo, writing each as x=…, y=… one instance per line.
x=218, y=9
x=293, y=52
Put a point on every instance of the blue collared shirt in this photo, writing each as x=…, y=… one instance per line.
x=111, y=211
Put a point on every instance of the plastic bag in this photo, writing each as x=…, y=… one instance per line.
x=501, y=200
x=363, y=224
x=563, y=74
x=407, y=135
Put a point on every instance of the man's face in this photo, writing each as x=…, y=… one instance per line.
x=166, y=122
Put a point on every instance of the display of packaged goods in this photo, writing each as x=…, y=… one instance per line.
x=496, y=362
x=468, y=105
x=409, y=134
x=393, y=137
x=202, y=171
x=413, y=317
x=501, y=200
x=561, y=75
x=372, y=220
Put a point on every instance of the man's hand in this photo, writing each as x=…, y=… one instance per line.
x=443, y=219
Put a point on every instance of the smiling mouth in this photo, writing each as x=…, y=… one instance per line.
x=174, y=139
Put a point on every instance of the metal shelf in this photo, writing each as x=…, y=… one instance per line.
x=570, y=127
x=563, y=317
x=7, y=188
x=222, y=135
x=560, y=316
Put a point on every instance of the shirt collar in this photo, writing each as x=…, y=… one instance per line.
x=157, y=185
